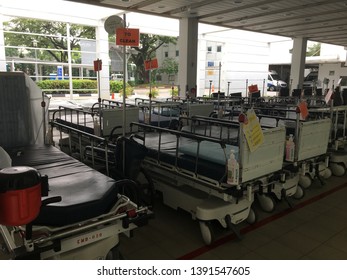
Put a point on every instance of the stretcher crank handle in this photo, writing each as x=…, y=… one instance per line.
x=50, y=200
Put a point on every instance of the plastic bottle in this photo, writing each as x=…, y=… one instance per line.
x=233, y=170
x=290, y=148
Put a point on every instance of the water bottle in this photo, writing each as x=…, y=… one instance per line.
x=233, y=170
x=290, y=148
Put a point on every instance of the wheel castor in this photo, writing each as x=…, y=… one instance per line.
x=206, y=232
x=300, y=192
x=266, y=202
x=338, y=169
x=327, y=174
x=114, y=254
x=252, y=216
x=305, y=181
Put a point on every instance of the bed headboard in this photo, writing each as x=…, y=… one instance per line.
x=114, y=117
x=267, y=158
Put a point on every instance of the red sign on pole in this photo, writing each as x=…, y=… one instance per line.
x=97, y=65
x=151, y=64
x=127, y=37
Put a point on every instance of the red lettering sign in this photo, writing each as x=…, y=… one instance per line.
x=127, y=37
x=151, y=64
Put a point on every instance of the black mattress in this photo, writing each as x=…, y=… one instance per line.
x=85, y=192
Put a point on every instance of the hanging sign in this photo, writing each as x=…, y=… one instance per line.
x=112, y=23
x=151, y=64
x=252, y=131
x=128, y=37
x=303, y=110
x=253, y=88
x=97, y=65
x=328, y=96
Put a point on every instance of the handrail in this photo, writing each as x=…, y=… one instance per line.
x=94, y=139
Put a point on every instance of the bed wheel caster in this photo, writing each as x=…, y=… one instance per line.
x=337, y=169
x=300, y=192
x=206, y=232
x=305, y=181
x=252, y=217
x=266, y=202
x=114, y=254
x=327, y=174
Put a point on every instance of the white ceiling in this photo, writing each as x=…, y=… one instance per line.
x=318, y=20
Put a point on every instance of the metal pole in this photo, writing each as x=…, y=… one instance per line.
x=36, y=70
x=219, y=72
x=69, y=59
x=124, y=81
x=124, y=94
x=209, y=93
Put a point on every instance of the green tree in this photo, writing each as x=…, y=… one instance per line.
x=26, y=33
x=149, y=43
x=169, y=67
x=314, y=50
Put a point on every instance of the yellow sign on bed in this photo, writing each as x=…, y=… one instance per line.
x=252, y=131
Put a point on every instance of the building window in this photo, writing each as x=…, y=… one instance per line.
x=210, y=63
x=209, y=49
x=177, y=53
x=219, y=48
x=166, y=54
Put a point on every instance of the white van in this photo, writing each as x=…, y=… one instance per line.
x=117, y=77
x=274, y=82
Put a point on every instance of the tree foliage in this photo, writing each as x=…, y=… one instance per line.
x=314, y=50
x=169, y=67
x=149, y=43
x=27, y=33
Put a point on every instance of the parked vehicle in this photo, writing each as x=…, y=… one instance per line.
x=311, y=80
x=274, y=82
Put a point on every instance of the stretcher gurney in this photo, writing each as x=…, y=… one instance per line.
x=311, y=138
x=280, y=185
x=101, y=121
x=191, y=172
x=81, y=216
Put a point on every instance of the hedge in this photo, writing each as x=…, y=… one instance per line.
x=81, y=86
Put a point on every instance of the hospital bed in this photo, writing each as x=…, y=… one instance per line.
x=190, y=171
x=53, y=206
x=283, y=183
x=98, y=120
x=82, y=213
x=311, y=137
x=337, y=140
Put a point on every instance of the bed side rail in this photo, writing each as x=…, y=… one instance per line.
x=200, y=109
x=85, y=139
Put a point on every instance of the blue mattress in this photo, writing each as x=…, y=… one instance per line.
x=209, y=151
x=186, y=155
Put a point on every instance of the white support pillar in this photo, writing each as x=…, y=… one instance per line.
x=298, y=63
x=2, y=46
x=102, y=53
x=188, y=48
